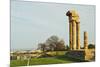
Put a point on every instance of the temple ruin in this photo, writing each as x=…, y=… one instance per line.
x=74, y=30
x=74, y=39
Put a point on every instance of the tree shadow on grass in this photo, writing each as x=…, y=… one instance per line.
x=65, y=58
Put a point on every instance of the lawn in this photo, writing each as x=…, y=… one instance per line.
x=41, y=61
x=56, y=57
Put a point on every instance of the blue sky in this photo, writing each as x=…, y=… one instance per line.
x=34, y=22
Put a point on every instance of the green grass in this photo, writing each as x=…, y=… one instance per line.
x=41, y=61
x=58, y=57
x=15, y=63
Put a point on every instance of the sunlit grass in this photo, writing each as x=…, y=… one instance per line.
x=40, y=61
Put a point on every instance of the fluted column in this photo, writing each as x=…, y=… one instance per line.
x=73, y=18
x=85, y=40
x=74, y=34
x=78, y=35
x=70, y=35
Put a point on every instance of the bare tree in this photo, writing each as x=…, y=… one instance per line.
x=60, y=45
x=55, y=43
x=52, y=43
x=42, y=46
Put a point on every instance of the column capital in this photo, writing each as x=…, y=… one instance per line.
x=72, y=13
x=73, y=16
x=77, y=22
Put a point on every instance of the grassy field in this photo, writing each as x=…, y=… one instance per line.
x=42, y=61
x=57, y=57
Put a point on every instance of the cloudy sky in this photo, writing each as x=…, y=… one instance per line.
x=34, y=22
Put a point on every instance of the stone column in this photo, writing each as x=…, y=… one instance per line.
x=85, y=40
x=70, y=29
x=73, y=18
x=70, y=35
x=78, y=35
x=74, y=34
